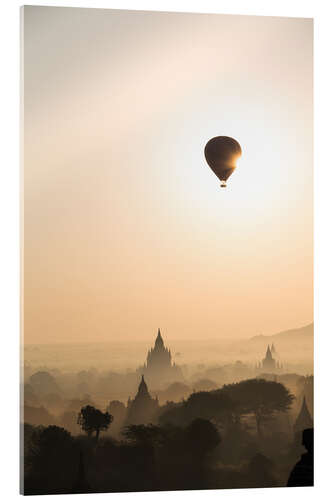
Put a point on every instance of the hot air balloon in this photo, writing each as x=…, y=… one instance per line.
x=221, y=154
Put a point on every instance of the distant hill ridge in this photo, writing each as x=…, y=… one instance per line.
x=293, y=334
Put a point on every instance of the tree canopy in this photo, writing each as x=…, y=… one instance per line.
x=93, y=420
x=51, y=458
x=260, y=397
x=202, y=436
x=144, y=434
x=225, y=406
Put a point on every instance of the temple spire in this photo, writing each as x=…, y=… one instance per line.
x=304, y=419
x=268, y=353
x=159, y=341
x=143, y=389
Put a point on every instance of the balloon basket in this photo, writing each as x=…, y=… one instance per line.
x=223, y=184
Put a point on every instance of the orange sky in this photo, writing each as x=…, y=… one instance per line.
x=125, y=227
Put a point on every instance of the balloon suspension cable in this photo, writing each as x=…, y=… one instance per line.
x=223, y=184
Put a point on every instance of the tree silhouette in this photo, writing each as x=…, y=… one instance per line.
x=260, y=470
x=225, y=406
x=204, y=384
x=202, y=436
x=260, y=397
x=144, y=434
x=44, y=383
x=81, y=484
x=30, y=396
x=49, y=438
x=118, y=410
x=51, y=461
x=93, y=420
x=214, y=405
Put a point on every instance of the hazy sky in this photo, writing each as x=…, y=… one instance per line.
x=126, y=227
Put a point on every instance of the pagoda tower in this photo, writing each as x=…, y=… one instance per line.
x=159, y=356
x=159, y=369
x=268, y=363
x=142, y=409
x=304, y=419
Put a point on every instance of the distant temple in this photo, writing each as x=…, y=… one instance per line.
x=159, y=357
x=304, y=419
x=142, y=409
x=159, y=369
x=269, y=364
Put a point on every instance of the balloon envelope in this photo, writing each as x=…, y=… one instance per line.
x=221, y=154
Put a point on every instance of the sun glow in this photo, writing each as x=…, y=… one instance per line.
x=119, y=197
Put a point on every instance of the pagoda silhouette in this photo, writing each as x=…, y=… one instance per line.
x=159, y=370
x=269, y=364
x=304, y=419
x=142, y=409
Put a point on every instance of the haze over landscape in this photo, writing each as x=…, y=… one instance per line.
x=295, y=347
x=167, y=332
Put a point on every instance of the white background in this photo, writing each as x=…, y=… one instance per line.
x=322, y=11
